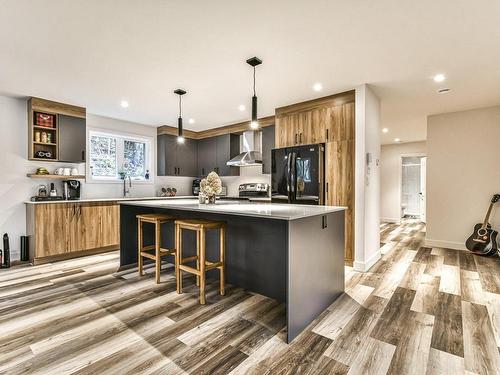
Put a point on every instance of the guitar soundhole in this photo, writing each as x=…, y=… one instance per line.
x=482, y=232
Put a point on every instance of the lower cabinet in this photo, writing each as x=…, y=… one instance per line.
x=66, y=230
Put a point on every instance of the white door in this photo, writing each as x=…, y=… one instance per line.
x=423, y=174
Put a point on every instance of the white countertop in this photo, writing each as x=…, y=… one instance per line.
x=242, y=208
x=111, y=199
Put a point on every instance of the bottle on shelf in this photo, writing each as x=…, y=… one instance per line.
x=6, y=251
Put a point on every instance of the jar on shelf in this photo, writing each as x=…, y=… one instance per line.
x=37, y=136
x=49, y=138
x=44, y=137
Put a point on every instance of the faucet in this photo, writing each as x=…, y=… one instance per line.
x=126, y=191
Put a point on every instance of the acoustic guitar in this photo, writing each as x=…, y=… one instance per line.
x=484, y=239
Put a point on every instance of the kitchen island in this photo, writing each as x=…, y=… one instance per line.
x=292, y=253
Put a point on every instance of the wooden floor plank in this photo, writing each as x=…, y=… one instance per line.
x=450, y=279
x=444, y=363
x=481, y=351
x=447, y=334
x=374, y=358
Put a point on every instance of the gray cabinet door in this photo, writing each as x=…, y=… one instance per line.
x=166, y=155
x=267, y=146
x=228, y=146
x=207, y=155
x=187, y=155
x=72, y=139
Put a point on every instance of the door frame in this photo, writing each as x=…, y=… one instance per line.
x=400, y=176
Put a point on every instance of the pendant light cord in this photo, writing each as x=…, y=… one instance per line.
x=254, y=81
x=180, y=105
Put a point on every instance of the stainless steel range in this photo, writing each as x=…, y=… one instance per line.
x=259, y=190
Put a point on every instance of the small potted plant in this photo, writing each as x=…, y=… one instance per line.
x=210, y=187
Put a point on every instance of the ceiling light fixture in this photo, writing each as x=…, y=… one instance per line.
x=397, y=140
x=254, y=61
x=180, y=133
x=385, y=130
x=192, y=121
x=439, y=78
x=124, y=104
x=443, y=91
x=241, y=107
x=318, y=87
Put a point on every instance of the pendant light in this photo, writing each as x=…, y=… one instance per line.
x=180, y=134
x=254, y=61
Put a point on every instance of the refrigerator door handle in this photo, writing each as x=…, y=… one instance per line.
x=288, y=171
x=293, y=178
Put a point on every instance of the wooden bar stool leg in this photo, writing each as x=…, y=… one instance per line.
x=198, y=241
x=202, y=266
x=223, y=260
x=178, y=245
x=139, y=246
x=157, y=250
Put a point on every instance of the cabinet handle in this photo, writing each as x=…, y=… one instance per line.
x=300, y=138
x=327, y=187
x=79, y=211
x=83, y=155
x=178, y=170
x=203, y=172
x=295, y=138
x=327, y=134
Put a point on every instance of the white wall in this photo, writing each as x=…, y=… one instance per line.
x=367, y=179
x=390, y=177
x=463, y=172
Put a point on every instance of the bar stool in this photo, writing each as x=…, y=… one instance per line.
x=202, y=264
x=159, y=252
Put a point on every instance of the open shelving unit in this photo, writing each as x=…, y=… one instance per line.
x=43, y=135
x=56, y=176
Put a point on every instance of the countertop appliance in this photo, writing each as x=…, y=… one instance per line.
x=253, y=190
x=72, y=189
x=298, y=174
x=196, y=186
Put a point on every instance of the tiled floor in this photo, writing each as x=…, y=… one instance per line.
x=418, y=311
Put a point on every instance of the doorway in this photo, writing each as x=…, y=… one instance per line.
x=413, y=183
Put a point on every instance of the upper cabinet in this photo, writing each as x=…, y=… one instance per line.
x=215, y=152
x=268, y=135
x=330, y=119
x=176, y=159
x=56, y=131
x=72, y=139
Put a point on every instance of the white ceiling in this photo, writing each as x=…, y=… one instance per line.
x=96, y=53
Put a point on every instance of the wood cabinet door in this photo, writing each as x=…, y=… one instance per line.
x=85, y=227
x=110, y=224
x=51, y=229
x=286, y=131
x=339, y=177
x=186, y=159
x=340, y=123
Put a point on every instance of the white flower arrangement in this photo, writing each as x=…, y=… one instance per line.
x=211, y=186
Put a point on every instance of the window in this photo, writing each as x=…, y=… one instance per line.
x=112, y=157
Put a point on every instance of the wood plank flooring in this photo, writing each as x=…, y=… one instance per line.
x=418, y=311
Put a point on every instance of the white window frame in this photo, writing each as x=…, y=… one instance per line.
x=120, y=138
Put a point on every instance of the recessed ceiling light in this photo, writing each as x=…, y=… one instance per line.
x=317, y=87
x=241, y=107
x=439, y=78
x=443, y=91
x=385, y=130
x=254, y=125
x=124, y=104
x=191, y=121
x=397, y=140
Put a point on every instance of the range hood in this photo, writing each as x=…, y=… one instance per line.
x=249, y=150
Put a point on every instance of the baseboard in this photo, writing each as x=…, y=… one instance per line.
x=445, y=244
x=390, y=220
x=365, y=266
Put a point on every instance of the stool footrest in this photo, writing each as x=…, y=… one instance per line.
x=188, y=259
x=163, y=253
x=192, y=270
x=212, y=265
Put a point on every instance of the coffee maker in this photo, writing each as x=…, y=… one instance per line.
x=72, y=189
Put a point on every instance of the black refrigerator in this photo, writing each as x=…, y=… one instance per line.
x=297, y=174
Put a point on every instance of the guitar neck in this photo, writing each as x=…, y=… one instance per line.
x=487, y=217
